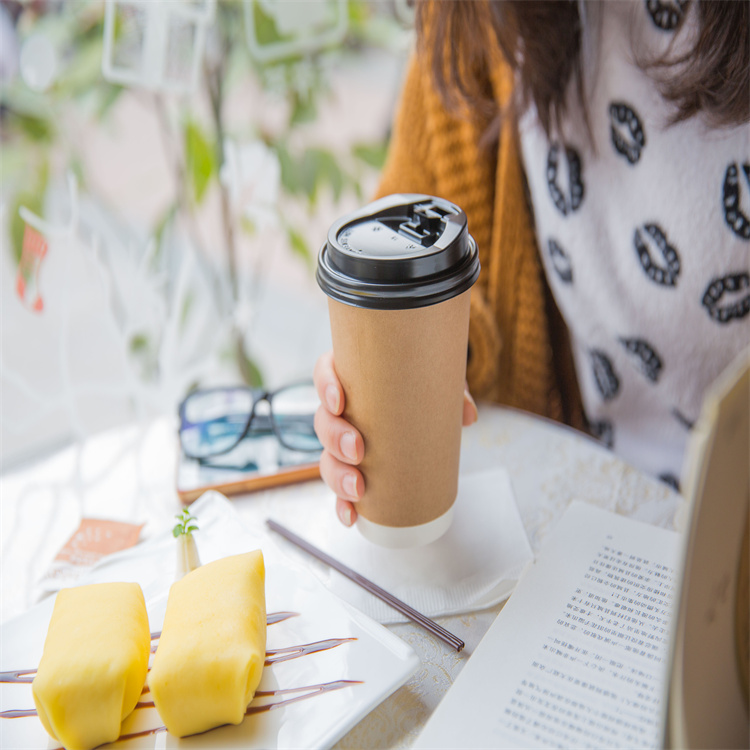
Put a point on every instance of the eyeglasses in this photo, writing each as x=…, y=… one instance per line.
x=215, y=421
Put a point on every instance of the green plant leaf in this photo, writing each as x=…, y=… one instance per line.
x=34, y=127
x=230, y=19
x=108, y=97
x=185, y=524
x=304, y=110
x=330, y=172
x=372, y=154
x=32, y=197
x=33, y=202
x=309, y=176
x=290, y=171
x=199, y=158
x=265, y=28
x=357, y=12
x=161, y=225
x=187, y=305
x=299, y=246
x=335, y=178
x=84, y=70
x=305, y=174
x=138, y=343
x=248, y=226
x=249, y=370
x=320, y=167
x=78, y=168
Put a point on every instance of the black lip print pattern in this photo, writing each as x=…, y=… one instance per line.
x=665, y=274
x=560, y=261
x=687, y=423
x=628, y=136
x=604, y=431
x=733, y=214
x=666, y=15
x=569, y=201
x=671, y=480
x=644, y=357
x=734, y=285
x=604, y=374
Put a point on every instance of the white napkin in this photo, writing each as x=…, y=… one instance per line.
x=153, y=562
x=473, y=566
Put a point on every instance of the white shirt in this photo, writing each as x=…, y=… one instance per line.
x=645, y=239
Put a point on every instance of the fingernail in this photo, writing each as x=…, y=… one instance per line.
x=349, y=445
x=472, y=405
x=349, y=485
x=345, y=514
x=332, y=398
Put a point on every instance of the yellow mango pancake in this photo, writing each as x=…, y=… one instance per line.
x=213, y=645
x=94, y=663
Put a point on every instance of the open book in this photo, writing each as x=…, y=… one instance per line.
x=622, y=634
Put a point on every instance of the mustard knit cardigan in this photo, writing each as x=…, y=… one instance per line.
x=518, y=349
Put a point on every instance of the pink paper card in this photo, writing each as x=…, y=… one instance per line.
x=35, y=249
x=94, y=539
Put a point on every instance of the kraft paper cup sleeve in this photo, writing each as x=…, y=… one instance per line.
x=403, y=374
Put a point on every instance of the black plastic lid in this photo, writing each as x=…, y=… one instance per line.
x=397, y=253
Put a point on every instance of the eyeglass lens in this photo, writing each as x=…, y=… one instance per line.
x=293, y=410
x=214, y=421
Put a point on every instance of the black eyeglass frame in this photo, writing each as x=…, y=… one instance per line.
x=258, y=395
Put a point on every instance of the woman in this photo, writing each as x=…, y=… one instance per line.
x=602, y=154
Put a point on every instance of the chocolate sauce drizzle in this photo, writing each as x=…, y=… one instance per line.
x=305, y=692
x=26, y=675
x=308, y=691
x=271, y=619
x=144, y=733
x=275, y=617
x=18, y=713
x=276, y=655
x=273, y=656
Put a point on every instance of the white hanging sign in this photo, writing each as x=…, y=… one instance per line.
x=304, y=27
x=156, y=45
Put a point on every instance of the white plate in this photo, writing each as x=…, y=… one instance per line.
x=375, y=660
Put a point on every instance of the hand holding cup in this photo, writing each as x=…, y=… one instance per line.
x=343, y=445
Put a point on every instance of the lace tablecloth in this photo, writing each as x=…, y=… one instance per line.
x=128, y=475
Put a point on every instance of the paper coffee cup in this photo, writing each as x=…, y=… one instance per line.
x=398, y=274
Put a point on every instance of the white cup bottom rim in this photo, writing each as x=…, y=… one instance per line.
x=396, y=537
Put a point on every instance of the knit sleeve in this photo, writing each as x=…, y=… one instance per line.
x=434, y=152
x=408, y=166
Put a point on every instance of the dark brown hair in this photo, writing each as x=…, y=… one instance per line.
x=542, y=41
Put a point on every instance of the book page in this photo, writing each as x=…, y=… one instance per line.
x=578, y=656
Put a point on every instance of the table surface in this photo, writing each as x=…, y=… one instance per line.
x=128, y=475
